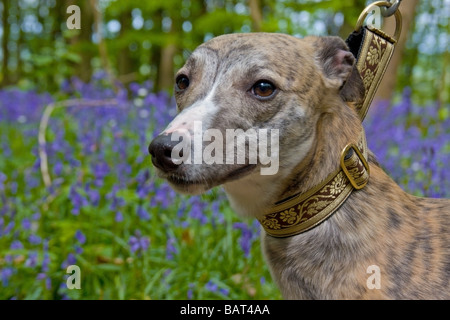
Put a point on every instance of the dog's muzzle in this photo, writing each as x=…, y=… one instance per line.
x=161, y=151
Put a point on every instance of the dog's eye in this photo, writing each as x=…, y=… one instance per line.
x=263, y=89
x=182, y=82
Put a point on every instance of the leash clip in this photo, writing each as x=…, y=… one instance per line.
x=389, y=11
x=355, y=166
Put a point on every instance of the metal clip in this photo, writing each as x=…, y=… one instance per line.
x=382, y=5
x=389, y=11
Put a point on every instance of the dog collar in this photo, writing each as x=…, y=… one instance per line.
x=373, y=50
x=304, y=211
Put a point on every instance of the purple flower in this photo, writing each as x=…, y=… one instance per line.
x=94, y=196
x=100, y=170
x=80, y=237
x=5, y=275
x=71, y=259
x=46, y=262
x=143, y=214
x=134, y=244
x=36, y=216
x=78, y=201
x=211, y=286
x=26, y=224
x=171, y=250
x=224, y=291
x=58, y=168
x=118, y=217
x=34, y=239
x=48, y=283
x=3, y=178
x=144, y=242
x=138, y=244
x=164, y=196
x=78, y=249
x=41, y=276
x=247, y=236
x=8, y=228
x=16, y=245
x=32, y=259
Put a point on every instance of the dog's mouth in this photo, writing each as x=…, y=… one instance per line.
x=194, y=185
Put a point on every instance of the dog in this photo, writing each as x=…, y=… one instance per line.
x=306, y=88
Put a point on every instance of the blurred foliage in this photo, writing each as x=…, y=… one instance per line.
x=36, y=41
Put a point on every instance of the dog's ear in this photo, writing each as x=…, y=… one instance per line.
x=339, y=67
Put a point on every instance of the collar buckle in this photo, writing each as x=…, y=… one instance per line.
x=355, y=166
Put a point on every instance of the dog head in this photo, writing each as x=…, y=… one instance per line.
x=268, y=87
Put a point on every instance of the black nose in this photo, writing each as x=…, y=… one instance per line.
x=161, y=151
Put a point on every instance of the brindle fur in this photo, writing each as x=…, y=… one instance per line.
x=406, y=236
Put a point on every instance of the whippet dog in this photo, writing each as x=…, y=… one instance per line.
x=305, y=89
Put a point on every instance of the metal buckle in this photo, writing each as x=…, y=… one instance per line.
x=382, y=4
x=344, y=168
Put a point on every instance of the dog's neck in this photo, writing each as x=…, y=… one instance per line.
x=253, y=195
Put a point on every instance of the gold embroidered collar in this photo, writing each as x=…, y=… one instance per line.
x=304, y=211
x=373, y=50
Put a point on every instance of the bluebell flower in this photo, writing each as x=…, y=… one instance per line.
x=36, y=216
x=171, y=250
x=41, y=276
x=247, y=237
x=3, y=178
x=8, y=228
x=80, y=237
x=224, y=291
x=48, y=283
x=138, y=243
x=118, y=217
x=46, y=262
x=211, y=286
x=16, y=245
x=189, y=294
x=78, y=201
x=144, y=243
x=78, y=249
x=143, y=213
x=71, y=259
x=26, y=224
x=34, y=239
x=32, y=259
x=6, y=274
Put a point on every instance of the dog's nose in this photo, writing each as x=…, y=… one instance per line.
x=161, y=151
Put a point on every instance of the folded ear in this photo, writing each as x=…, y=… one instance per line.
x=339, y=67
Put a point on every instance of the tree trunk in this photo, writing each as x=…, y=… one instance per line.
x=387, y=85
x=83, y=40
x=155, y=50
x=5, y=38
x=124, y=63
x=20, y=41
x=256, y=15
x=165, y=79
x=102, y=49
x=168, y=51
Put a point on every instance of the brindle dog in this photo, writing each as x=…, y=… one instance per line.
x=306, y=88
